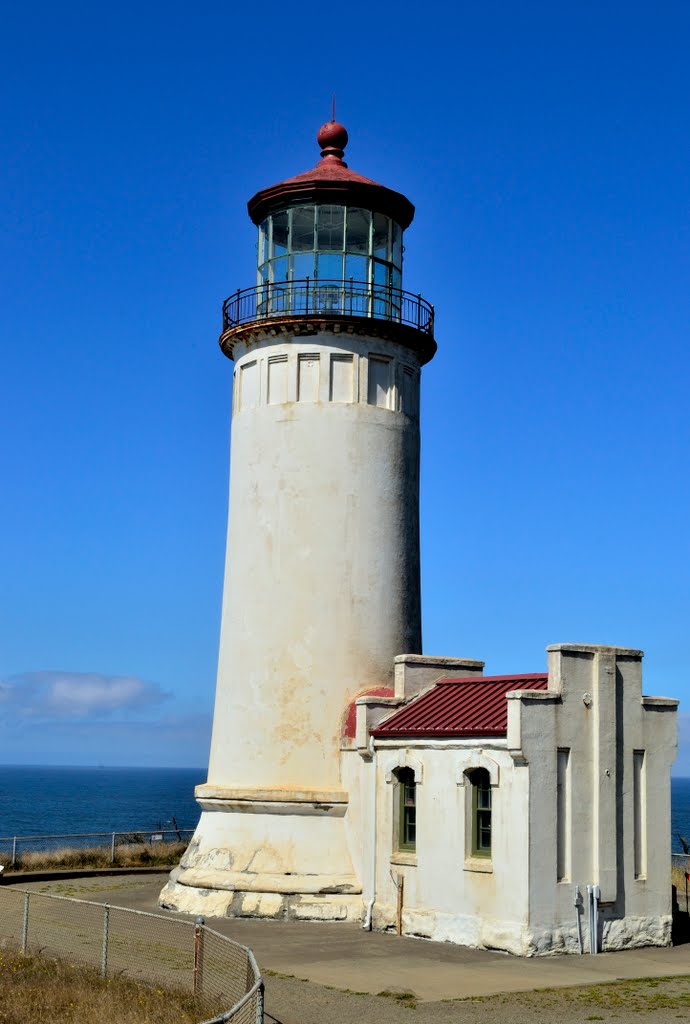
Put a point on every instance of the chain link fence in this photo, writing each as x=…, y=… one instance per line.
x=681, y=879
x=25, y=851
x=167, y=952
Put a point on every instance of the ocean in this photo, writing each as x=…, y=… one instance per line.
x=53, y=801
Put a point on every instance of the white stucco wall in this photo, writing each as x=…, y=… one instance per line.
x=322, y=573
x=321, y=592
x=448, y=894
x=602, y=719
x=594, y=710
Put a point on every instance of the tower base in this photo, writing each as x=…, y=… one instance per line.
x=271, y=853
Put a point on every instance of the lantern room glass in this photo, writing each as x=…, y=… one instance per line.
x=316, y=258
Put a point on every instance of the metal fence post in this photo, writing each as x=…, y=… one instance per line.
x=25, y=923
x=104, y=948
x=14, y=850
x=112, y=849
x=260, y=1004
x=198, y=978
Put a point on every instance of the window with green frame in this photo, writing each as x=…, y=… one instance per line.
x=481, y=813
x=406, y=824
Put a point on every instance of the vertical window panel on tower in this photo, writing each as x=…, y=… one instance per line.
x=302, y=266
x=302, y=255
x=342, y=379
x=331, y=222
x=330, y=266
x=302, y=235
x=263, y=242
x=396, y=245
x=249, y=386
x=409, y=403
x=358, y=230
x=356, y=285
x=277, y=380
x=381, y=290
x=380, y=383
x=308, y=377
x=279, y=235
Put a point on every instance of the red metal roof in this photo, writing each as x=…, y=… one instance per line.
x=332, y=181
x=474, y=706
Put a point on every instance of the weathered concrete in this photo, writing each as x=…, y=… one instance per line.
x=321, y=592
x=611, y=828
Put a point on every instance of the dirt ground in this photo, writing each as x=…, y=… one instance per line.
x=653, y=1001
x=329, y=974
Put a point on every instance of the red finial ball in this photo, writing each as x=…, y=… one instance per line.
x=332, y=137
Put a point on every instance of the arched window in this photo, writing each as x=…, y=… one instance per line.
x=405, y=818
x=481, y=812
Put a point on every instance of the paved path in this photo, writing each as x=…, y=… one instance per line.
x=348, y=958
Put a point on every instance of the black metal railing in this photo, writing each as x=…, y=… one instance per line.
x=310, y=297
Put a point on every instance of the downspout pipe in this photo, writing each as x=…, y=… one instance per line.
x=370, y=905
x=596, y=896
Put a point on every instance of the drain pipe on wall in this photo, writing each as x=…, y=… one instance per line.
x=594, y=895
x=370, y=905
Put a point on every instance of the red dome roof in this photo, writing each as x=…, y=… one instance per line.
x=331, y=181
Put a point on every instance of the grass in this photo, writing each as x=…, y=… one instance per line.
x=35, y=988
x=408, y=999
x=678, y=875
x=129, y=856
x=639, y=995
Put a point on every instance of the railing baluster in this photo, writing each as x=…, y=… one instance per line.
x=330, y=297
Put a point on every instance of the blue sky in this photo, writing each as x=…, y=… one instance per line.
x=546, y=149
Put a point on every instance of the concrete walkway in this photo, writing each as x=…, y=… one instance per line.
x=348, y=958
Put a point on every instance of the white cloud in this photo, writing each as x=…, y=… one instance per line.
x=61, y=695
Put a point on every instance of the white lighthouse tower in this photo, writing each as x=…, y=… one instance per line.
x=322, y=585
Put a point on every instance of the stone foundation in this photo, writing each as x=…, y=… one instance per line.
x=521, y=940
x=276, y=906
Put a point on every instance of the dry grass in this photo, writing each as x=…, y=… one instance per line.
x=678, y=869
x=35, y=988
x=129, y=856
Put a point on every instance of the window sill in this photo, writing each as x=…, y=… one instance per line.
x=482, y=865
x=409, y=859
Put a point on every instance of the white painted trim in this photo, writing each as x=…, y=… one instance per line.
x=475, y=759
x=404, y=760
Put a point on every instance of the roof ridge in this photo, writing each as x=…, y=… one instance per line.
x=454, y=680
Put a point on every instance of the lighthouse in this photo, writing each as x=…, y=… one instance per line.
x=322, y=576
